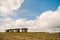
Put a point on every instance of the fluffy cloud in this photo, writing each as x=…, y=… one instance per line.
x=8, y=6
x=48, y=21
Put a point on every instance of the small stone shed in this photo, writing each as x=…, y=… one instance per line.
x=16, y=30
x=24, y=29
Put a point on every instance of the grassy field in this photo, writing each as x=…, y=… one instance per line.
x=30, y=36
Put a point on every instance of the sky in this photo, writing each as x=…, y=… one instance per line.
x=36, y=15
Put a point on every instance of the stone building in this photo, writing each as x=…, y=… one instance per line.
x=24, y=29
x=6, y=30
x=17, y=30
x=11, y=30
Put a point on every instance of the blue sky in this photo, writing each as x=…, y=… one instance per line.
x=32, y=8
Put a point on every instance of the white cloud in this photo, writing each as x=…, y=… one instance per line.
x=8, y=6
x=48, y=21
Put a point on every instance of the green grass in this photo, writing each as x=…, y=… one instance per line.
x=30, y=36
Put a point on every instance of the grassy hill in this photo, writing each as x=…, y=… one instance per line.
x=30, y=36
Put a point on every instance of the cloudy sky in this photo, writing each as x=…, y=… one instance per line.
x=36, y=15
